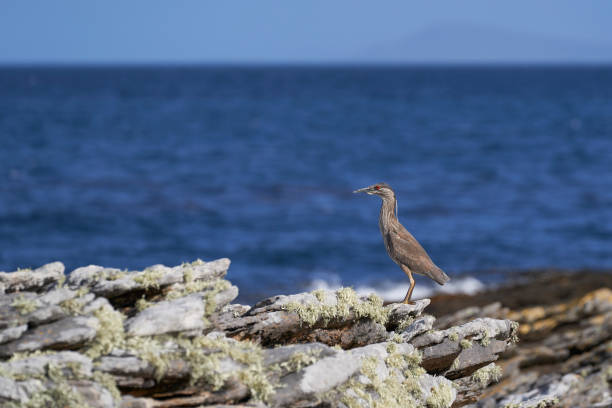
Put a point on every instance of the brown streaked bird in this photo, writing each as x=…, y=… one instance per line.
x=401, y=246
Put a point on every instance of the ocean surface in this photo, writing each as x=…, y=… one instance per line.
x=496, y=170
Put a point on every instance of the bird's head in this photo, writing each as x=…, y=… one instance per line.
x=380, y=189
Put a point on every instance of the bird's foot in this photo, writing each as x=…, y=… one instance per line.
x=409, y=302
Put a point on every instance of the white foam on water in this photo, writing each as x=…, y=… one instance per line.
x=393, y=291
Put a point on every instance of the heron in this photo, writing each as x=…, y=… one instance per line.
x=401, y=246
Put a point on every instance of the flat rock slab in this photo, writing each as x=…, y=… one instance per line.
x=400, y=312
x=112, y=283
x=37, y=365
x=183, y=314
x=34, y=280
x=68, y=333
x=283, y=327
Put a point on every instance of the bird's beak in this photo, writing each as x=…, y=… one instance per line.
x=361, y=190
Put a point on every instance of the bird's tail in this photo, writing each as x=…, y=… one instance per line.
x=439, y=276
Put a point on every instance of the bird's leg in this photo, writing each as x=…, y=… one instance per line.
x=409, y=294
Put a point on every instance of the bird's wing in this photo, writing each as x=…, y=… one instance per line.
x=409, y=252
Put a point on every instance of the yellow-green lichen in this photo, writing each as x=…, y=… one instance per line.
x=441, y=396
x=74, y=306
x=210, y=304
x=347, y=302
x=319, y=294
x=453, y=335
x=109, y=274
x=407, y=362
x=149, y=278
x=487, y=374
x=400, y=388
x=110, y=333
x=403, y=325
x=116, y=274
x=392, y=392
x=142, y=304
x=209, y=290
x=514, y=332
x=465, y=343
x=455, y=365
x=187, y=273
x=152, y=351
x=485, y=340
x=256, y=379
x=28, y=354
x=297, y=361
x=205, y=354
x=59, y=394
x=24, y=305
x=107, y=381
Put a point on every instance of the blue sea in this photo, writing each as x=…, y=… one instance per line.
x=496, y=170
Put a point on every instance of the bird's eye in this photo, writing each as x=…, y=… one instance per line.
x=377, y=187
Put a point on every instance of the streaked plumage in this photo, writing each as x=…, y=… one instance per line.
x=401, y=246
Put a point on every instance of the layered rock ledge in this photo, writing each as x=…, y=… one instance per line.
x=564, y=358
x=171, y=337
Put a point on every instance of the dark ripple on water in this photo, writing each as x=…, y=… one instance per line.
x=493, y=167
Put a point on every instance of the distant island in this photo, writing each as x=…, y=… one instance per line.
x=455, y=42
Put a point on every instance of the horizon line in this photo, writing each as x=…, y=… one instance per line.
x=305, y=63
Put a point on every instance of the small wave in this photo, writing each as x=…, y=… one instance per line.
x=390, y=291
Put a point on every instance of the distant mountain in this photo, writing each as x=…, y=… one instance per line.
x=464, y=42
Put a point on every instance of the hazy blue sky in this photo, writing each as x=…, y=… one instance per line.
x=309, y=30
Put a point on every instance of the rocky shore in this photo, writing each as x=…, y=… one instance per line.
x=171, y=337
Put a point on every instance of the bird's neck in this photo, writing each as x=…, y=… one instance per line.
x=387, y=210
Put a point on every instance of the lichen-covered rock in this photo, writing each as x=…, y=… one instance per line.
x=69, y=363
x=401, y=315
x=563, y=358
x=334, y=318
x=378, y=375
x=544, y=396
x=68, y=333
x=161, y=318
x=21, y=310
x=418, y=326
x=12, y=333
x=460, y=350
x=55, y=379
x=170, y=337
x=35, y=280
x=113, y=283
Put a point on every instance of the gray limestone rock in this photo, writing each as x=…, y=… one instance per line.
x=112, y=283
x=128, y=366
x=368, y=370
x=460, y=350
x=68, y=333
x=10, y=391
x=418, y=326
x=21, y=308
x=12, y=333
x=544, y=396
x=69, y=362
x=183, y=314
x=334, y=318
x=35, y=280
x=400, y=312
x=96, y=395
x=157, y=353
